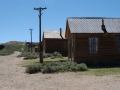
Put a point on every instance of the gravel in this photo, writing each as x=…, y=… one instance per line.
x=13, y=77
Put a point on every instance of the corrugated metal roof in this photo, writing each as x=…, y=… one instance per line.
x=93, y=25
x=53, y=34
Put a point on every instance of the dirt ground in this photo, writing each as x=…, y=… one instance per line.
x=13, y=77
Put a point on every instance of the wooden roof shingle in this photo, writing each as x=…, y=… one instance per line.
x=93, y=25
x=55, y=34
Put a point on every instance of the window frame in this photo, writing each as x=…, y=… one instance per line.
x=118, y=45
x=64, y=46
x=93, y=48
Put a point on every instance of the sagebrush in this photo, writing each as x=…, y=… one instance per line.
x=34, y=68
x=29, y=55
x=54, y=67
x=63, y=67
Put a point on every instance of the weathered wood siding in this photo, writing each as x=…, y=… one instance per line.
x=107, y=48
x=52, y=45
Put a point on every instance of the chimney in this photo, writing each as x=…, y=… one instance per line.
x=61, y=33
x=103, y=26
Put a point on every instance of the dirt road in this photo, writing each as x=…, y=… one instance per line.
x=13, y=77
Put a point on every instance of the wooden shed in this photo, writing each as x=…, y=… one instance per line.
x=55, y=41
x=34, y=45
x=93, y=40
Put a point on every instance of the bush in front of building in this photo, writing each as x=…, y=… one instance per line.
x=35, y=68
x=46, y=55
x=63, y=67
x=78, y=67
x=55, y=67
x=53, y=55
x=56, y=55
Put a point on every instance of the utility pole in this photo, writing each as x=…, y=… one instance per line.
x=40, y=44
x=31, y=38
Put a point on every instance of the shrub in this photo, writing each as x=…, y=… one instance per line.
x=53, y=57
x=47, y=55
x=83, y=67
x=53, y=64
x=63, y=66
x=54, y=67
x=5, y=52
x=45, y=69
x=78, y=67
x=29, y=55
x=23, y=54
x=34, y=68
x=49, y=69
x=59, y=56
x=56, y=55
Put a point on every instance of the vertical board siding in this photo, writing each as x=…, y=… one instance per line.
x=56, y=45
x=107, y=47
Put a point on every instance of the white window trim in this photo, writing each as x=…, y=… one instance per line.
x=91, y=47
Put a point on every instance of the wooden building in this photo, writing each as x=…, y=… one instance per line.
x=34, y=46
x=93, y=40
x=55, y=41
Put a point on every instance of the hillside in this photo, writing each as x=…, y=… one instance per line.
x=12, y=46
x=15, y=42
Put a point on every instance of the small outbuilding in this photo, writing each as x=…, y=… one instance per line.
x=93, y=40
x=55, y=41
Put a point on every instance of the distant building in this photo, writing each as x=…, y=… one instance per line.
x=55, y=41
x=35, y=47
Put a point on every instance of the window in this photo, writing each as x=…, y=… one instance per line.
x=93, y=43
x=64, y=45
x=118, y=43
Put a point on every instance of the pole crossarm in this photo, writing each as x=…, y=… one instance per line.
x=39, y=9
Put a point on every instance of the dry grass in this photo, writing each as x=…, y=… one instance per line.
x=101, y=72
x=46, y=60
x=91, y=71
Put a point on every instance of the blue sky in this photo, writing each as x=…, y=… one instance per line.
x=18, y=16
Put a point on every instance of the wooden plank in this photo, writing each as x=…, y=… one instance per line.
x=107, y=46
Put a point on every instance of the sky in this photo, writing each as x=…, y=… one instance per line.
x=18, y=16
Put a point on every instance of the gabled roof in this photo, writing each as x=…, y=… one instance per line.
x=55, y=34
x=93, y=25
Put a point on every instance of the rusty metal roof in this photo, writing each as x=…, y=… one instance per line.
x=93, y=25
x=55, y=34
